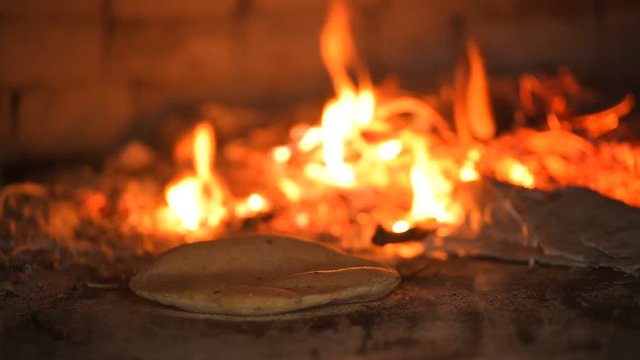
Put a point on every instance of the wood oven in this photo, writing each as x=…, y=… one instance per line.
x=487, y=150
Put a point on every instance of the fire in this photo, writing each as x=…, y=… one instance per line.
x=472, y=108
x=254, y=204
x=518, y=174
x=480, y=114
x=431, y=191
x=197, y=199
x=406, y=250
x=351, y=162
x=400, y=226
x=336, y=128
x=203, y=151
x=377, y=158
x=389, y=150
x=354, y=105
x=604, y=121
x=281, y=154
x=291, y=190
x=468, y=171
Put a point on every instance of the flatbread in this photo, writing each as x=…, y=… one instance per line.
x=260, y=275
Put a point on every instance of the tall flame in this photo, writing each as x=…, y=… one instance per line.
x=480, y=114
x=349, y=159
x=354, y=105
x=197, y=200
x=204, y=151
x=472, y=108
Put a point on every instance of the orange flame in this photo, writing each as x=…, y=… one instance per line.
x=400, y=226
x=472, y=108
x=431, y=190
x=518, y=174
x=404, y=250
x=606, y=120
x=389, y=150
x=351, y=161
x=480, y=114
x=254, y=204
x=353, y=108
x=468, y=171
x=197, y=200
x=374, y=149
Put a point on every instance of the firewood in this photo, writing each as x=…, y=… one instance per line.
x=569, y=226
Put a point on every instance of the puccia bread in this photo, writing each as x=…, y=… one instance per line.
x=260, y=275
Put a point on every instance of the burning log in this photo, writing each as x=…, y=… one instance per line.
x=382, y=236
x=570, y=226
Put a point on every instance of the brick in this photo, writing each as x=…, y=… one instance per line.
x=170, y=52
x=6, y=123
x=405, y=33
x=165, y=109
x=273, y=51
x=150, y=98
x=415, y=38
x=302, y=8
x=281, y=53
x=58, y=9
x=172, y=9
x=573, y=43
x=33, y=51
x=79, y=120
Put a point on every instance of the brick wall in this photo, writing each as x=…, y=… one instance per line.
x=75, y=75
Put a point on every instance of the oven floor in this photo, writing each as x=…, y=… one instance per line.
x=459, y=308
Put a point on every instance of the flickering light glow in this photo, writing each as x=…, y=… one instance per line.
x=468, y=174
x=431, y=190
x=281, y=154
x=312, y=138
x=519, y=174
x=377, y=158
x=197, y=200
x=389, y=150
x=184, y=198
x=400, y=226
x=253, y=205
x=354, y=105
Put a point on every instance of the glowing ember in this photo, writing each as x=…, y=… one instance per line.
x=281, y=154
x=312, y=138
x=290, y=189
x=468, y=171
x=468, y=174
x=184, y=198
x=405, y=250
x=518, y=174
x=400, y=226
x=606, y=120
x=254, y=204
